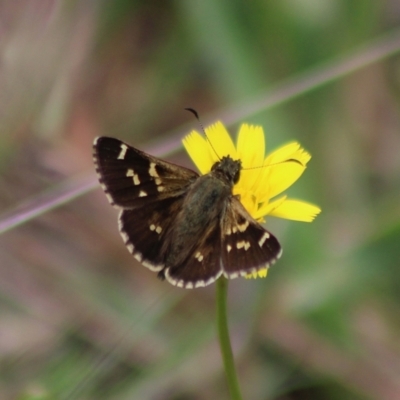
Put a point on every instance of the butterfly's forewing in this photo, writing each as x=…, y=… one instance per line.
x=148, y=190
x=133, y=179
x=246, y=245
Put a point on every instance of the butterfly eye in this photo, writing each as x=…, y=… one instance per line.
x=236, y=177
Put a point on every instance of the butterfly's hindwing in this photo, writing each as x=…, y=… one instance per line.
x=203, y=265
x=131, y=178
x=146, y=231
x=246, y=246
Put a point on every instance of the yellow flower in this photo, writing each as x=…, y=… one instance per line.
x=261, y=178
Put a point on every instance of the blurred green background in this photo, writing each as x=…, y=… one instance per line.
x=79, y=318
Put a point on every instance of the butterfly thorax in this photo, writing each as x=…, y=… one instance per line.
x=203, y=204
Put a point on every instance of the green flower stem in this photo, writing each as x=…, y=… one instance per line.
x=224, y=340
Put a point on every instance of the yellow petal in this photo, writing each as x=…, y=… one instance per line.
x=199, y=151
x=220, y=142
x=250, y=150
x=267, y=208
x=286, y=152
x=259, y=274
x=251, y=146
x=282, y=168
x=280, y=177
x=296, y=210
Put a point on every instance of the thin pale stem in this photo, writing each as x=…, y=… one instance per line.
x=224, y=340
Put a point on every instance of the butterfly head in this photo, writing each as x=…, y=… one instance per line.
x=228, y=170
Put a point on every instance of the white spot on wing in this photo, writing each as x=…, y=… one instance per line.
x=135, y=177
x=158, y=228
x=109, y=198
x=120, y=225
x=203, y=283
x=252, y=271
x=124, y=148
x=151, y=266
x=108, y=195
x=199, y=256
x=190, y=285
x=243, y=245
x=244, y=226
x=125, y=237
x=153, y=171
x=142, y=193
x=263, y=239
x=228, y=248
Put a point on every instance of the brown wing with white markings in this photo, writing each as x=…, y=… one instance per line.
x=149, y=192
x=246, y=246
x=132, y=178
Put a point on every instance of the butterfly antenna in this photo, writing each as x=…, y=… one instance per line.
x=281, y=162
x=196, y=114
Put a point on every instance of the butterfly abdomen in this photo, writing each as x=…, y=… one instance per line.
x=201, y=209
